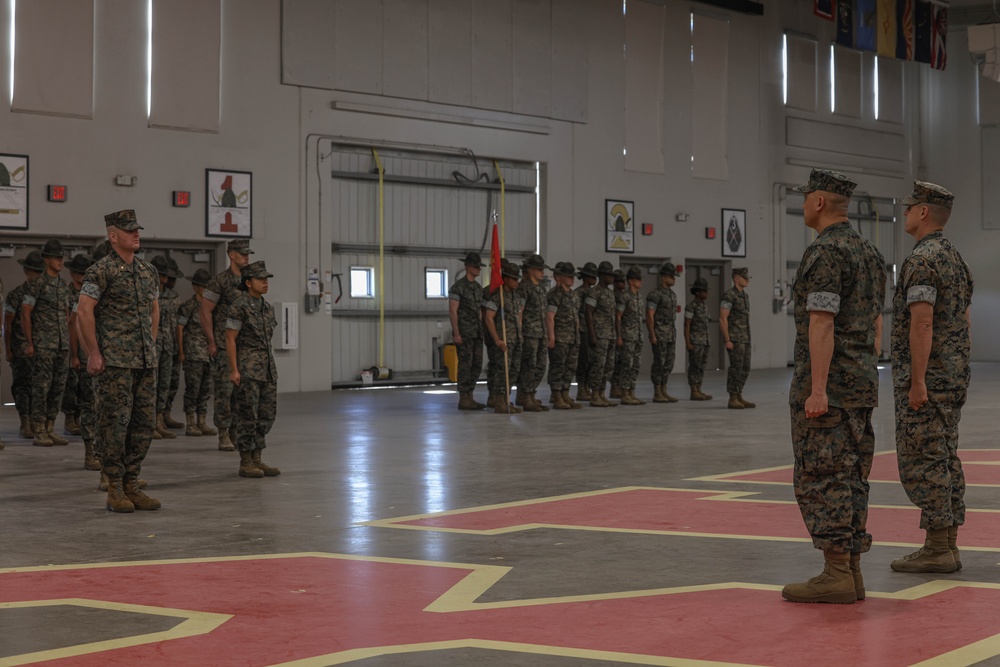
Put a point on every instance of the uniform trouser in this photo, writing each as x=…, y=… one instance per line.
x=163, y=379
x=498, y=381
x=70, y=399
x=929, y=467
x=492, y=351
x=697, y=360
x=470, y=363
x=20, y=384
x=48, y=382
x=197, y=387
x=175, y=383
x=616, y=374
x=739, y=368
x=85, y=404
x=583, y=363
x=664, y=353
x=126, y=414
x=562, y=365
x=256, y=408
x=630, y=353
x=534, y=359
x=223, y=413
x=833, y=457
x=602, y=363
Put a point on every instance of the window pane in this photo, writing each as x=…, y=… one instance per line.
x=436, y=283
x=361, y=282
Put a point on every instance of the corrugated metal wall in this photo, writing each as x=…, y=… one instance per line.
x=427, y=225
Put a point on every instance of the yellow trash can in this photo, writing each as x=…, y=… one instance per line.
x=451, y=361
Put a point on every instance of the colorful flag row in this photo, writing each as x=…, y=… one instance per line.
x=902, y=29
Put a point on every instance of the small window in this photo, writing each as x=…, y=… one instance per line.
x=436, y=281
x=362, y=282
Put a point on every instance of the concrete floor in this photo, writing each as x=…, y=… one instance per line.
x=602, y=577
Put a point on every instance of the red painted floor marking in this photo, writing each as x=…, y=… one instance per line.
x=699, y=512
x=287, y=609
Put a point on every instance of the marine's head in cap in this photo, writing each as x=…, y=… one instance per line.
x=668, y=274
x=254, y=278
x=927, y=210
x=52, y=255
x=33, y=264
x=588, y=274
x=123, y=232
x=634, y=277
x=827, y=197
x=534, y=268
x=619, y=279
x=564, y=273
x=741, y=277
x=606, y=272
x=239, y=253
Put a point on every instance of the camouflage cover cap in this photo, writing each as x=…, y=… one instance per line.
x=588, y=270
x=52, y=248
x=668, y=269
x=79, y=264
x=929, y=193
x=256, y=270
x=473, y=259
x=700, y=285
x=241, y=246
x=634, y=273
x=201, y=277
x=565, y=268
x=742, y=271
x=535, y=262
x=124, y=219
x=828, y=180
x=33, y=261
x=510, y=270
x=606, y=267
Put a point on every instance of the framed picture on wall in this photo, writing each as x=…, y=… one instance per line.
x=228, y=203
x=734, y=232
x=13, y=191
x=619, y=226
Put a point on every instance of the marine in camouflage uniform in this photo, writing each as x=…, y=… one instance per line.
x=839, y=291
x=221, y=292
x=175, y=367
x=563, y=327
x=509, y=328
x=165, y=343
x=465, y=300
x=631, y=312
x=193, y=354
x=696, y=338
x=588, y=274
x=602, y=332
x=734, y=321
x=119, y=313
x=1, y=299
x=45, y=322
x=661, y=313
x=621, y=287
x=14, y=342
x=71, y=406
x=87, y=416
x=250, y=326
x=534, y=343
x=931, y=305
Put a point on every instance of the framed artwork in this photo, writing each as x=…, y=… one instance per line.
x=619, y=226
x=228, y=203
x=13, y=191
x=734, y=232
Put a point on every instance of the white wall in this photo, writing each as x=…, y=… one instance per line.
x=274, y=130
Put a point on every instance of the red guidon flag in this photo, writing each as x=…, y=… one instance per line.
x=495, y=276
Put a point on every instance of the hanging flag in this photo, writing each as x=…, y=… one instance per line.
x=886, y=23
x=845, y=23
x=922, y=31
x=864, y=31
x=939, y=34
x=496, y=278
x=823, y=9
x=904, y=29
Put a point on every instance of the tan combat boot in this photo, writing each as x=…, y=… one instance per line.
x=530, y=405
x=734, y=402
x=859, y=581
x=704, y=396
x=628, y=398
x=472, y=397
x=268, y=470
x=465, y=401
x=225, y=444
x=139, y=499
x=247, y=468
x=835, y=584
x=26, y=429
x=697, y=395
x=534, y=397
x=658, y=395
x=162, y=429
x=71, y=426
x=934, y=556
x=203, y=425
x=558, y=402
x=117, y=501
x=505, y=407
x=616, y=392
x=41, y=435
x=666, y=395
x=170, y=422
x=90, y=461
x=191, y=428
x=582, y=392
x=953, y=545
x=745, y=402
x=597, y=399
x=50, y=426
x=569, y=401
x=520, y=398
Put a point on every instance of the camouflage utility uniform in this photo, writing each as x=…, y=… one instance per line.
x=697, y=312
x=71, y=392
x=197, y=363
x=256, y=402
x=469, y=295
x=533, y=345
x=632, y=319
x=20, y=363
x=166, y=343
x=563, y=358
x=223, y=290
x=513, y=306
x=844, y=274
x=48, y=297
x=583, y=358
x=602, y=355
x=738, y=304
x=663, y=302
